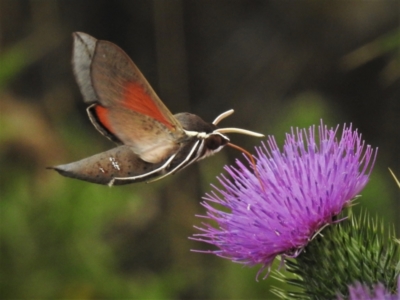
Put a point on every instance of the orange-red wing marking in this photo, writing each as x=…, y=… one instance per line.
x=102, y=116
x=138, y=100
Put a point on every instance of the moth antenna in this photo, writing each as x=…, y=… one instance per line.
x=232, y=129
x=238, y=130
x=223, y=116
x=253, y=162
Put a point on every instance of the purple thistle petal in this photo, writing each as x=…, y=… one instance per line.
x=303, y=189
x=359, y=291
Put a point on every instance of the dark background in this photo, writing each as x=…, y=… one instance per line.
x=279, y=64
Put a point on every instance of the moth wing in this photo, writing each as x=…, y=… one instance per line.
x=82, y=54
x=126, y=109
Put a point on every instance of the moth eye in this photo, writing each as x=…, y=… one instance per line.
x=214, y=142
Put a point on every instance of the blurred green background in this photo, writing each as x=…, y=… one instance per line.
x=277, y=63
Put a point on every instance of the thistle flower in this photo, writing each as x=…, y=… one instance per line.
x=359, y=291
x=292, y=197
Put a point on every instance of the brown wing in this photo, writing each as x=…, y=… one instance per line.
x=125, y=104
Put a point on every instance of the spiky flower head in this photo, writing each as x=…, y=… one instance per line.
x=360, y=291
x=293, y=195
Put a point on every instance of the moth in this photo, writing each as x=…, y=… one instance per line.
x=151, y=142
